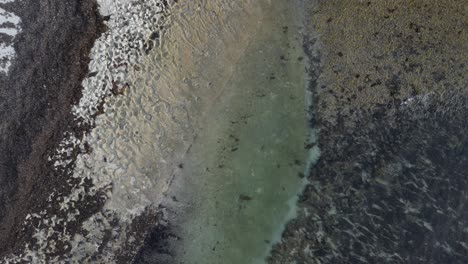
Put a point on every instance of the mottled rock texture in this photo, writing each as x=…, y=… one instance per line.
x=390, y=93
x=35, y=104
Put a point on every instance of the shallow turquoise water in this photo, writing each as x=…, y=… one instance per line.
x=243, y=170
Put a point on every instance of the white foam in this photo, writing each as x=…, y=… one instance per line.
x=9, y=25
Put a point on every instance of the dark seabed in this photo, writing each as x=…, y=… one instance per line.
x=390, y=102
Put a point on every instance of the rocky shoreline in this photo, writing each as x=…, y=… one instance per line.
x=36, y=99
x=60, y=81
x=389, y=105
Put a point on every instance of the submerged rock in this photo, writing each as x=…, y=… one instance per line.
x=390, y=186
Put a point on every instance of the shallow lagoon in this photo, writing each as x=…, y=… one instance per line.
x=242, y=172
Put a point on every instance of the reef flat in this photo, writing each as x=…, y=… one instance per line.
x=390, y=104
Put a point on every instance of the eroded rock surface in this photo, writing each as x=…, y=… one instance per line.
x=36, y=97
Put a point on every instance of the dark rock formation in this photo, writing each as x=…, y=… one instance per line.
x=35, y=103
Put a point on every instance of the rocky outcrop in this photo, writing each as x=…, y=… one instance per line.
x=35, y=103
